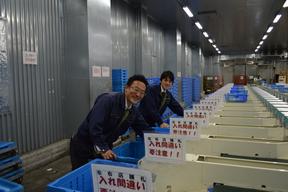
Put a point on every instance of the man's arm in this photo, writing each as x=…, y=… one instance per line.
x=175, y=106
x=98, y=115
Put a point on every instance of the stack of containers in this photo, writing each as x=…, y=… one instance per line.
x=237, y=94
x=8, y=186
x=119, y=79
x=10, y=162
x=196, y=90
x=187, y=91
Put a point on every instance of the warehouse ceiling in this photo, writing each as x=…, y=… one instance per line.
x=236, y=26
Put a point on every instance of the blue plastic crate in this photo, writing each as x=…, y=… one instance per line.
x=8, y=186
x=130, y=152
x=229, y=97
x=6, y=146
x=13, y=175
x=239, y=91
x=10, y=161
x=80, y=180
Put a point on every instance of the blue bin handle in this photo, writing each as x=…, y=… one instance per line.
x=126, y=159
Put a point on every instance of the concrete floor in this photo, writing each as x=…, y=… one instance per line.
x=38, y=179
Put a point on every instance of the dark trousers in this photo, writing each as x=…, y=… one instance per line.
x=81, y=153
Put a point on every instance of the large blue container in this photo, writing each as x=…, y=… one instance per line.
x=232, y=97
x=80, y=180
x=130, y=152
x=8, y=186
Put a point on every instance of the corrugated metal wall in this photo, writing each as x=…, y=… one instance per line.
x=36, y=115
x=123, y=23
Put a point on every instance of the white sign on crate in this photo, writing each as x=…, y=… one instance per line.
x=164, y=147
x=30, y=57
x=209, y=108
x=107, y=178
x=188, y=128
x=201, y=116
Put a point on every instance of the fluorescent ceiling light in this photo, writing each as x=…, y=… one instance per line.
x=265, y=37
x=188, y=12
x=214, y=46
x=217, y=49
x=277, y=18
x=256, y=50
x=210, y=40
x=261, y=42
x=269, y=29
x=205, y=34
x=285, y=4
x=219, y=52
x=258, y=47
x=198, y=25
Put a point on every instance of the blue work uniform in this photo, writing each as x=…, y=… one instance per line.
x=101, y=128
x=154, y=104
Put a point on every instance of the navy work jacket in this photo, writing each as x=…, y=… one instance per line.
x=99, y=129
x=150, y=105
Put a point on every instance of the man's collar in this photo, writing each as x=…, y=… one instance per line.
x=162, y=90
x=126, y=104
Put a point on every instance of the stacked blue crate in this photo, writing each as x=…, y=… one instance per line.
x=119, y=79
x=10, y=162
x=187, y=91
x=196, y=89
x=174, y=89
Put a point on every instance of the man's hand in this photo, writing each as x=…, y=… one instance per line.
x=164, y=125
x=108, y=155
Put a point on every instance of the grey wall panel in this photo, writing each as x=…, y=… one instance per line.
x=152, y=47
x=100, y=44
x=75, y=78
x=227, y=74
x=196, y=65
x=123, y=23
x=36, y=115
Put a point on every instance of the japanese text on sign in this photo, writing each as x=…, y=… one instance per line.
x=163, y=147
x=201, y=116
x=107, y=178
x=184, y=127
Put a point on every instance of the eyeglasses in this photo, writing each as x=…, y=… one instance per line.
x=137, y=90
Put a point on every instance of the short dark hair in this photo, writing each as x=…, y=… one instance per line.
x=140, y=78
x=167, y=74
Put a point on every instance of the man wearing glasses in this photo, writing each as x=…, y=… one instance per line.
x=157, y=99
x=110, y=117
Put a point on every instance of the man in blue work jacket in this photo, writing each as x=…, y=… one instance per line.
x=157, y=99
x=110, y=117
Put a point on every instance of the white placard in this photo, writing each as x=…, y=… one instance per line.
x=107, y=178
x=179, y=74
x=184, y=127
x=164, y=147
x=96, y=71
x=203, y=107
x=105, y=71
x=201, y=116
x=29, y=58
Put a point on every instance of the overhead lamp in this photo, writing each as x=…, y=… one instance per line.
x=261, y=42
x=214, y=46
x=219, y=52
x=265, y=37
x=285, y=4
x=217, y=49
x=277, y=18
x=258, y=47
x=256, y=50
x=198, y=25
x=205, y=34
x=187, y=11
x=269, y=29
x=210, y=40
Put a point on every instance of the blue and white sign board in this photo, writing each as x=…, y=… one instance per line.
x=164, y=147
x=183, y=127
x=107, y=178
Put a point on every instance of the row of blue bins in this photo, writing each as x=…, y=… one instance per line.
x=196, y=89
x=187, y=91
x=237, y=94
